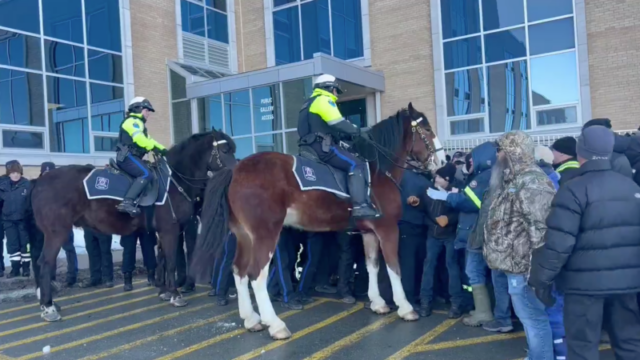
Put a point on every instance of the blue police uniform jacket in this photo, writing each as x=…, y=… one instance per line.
x=469, y=199
x=413, y=184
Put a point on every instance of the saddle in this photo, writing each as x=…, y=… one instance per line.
x=113, y=183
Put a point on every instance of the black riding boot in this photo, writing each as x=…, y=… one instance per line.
x=128, y=205
x=359, y=191
x=128, y=286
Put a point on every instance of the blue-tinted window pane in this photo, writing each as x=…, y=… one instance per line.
x=295, y=93
x=568, y=115
x=286, y=33
x=20, y=50
x=498, y=14
x=192, y=18
x=64, y=59
x=282, y=2
x=22, y=139
x=63, y=19
x=244, y=147
x=504, y=45
x=292, y=142
x=218, y=4
x=554, y=79
x=21, y=98
x=508, y=88
x=465, y=92
x=103, y=24
x=462, y=53
x=210, y=113
x=68, y=125
x=469, y=126
x=459, y=18
x=346, y=18
x=107, y=94
x=217, y=27
x=355, y=111
x=316, y=35
x=271, y=142
x=266, y=109
x=551, y=36
x=237, y=113
x=20, y=15
x=105, y=67
x=107, y=144
x=546, y=9
x=104, y=121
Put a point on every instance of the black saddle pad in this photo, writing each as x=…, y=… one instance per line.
x=312, y=175
x=113, y=183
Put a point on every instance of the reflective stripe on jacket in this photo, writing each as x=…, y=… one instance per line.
x=133, y=134
x=318, y=114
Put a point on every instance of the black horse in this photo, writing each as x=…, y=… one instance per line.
x=60, y=202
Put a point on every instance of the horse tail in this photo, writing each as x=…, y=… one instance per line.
x=214, y=223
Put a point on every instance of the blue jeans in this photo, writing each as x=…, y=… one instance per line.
x=533, y=316
x=476, y=268
x=222, y=267
x=556, y=319
x=502, y=309
x=434, y=246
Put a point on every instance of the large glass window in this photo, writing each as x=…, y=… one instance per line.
x=266, y=109
x=509, y=65
x=207, y=19
x=83, y=86
x=237, y=111
x=333, y=27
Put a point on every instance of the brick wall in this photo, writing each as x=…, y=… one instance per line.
x=401, y=47
x=153, y=34
x=252, y=53
x=613, y=35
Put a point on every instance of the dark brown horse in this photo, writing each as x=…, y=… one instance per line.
x=261, y=195
x=59, y=202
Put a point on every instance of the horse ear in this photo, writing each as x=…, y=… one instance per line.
x=412, y=110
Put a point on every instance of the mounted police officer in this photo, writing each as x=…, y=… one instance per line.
x=320, y=127
x=133, y=145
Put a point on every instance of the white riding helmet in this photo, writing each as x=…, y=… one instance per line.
x=327, y=82
x=139, y=102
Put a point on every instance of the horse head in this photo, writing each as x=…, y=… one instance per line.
x=421, y=142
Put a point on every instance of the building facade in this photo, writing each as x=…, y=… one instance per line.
x=476, y=68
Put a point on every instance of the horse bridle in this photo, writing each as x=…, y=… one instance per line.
x=216, y=153
x=416, y=128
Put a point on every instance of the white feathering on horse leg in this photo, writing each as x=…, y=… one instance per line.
x=277, y=328
x=377, y=302
x=250, y=317
x=405, y=310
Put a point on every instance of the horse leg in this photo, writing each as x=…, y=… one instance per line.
x=240, y=266
x=389, y=242
x=277, y=328
x=52, y=246
x=371, y=249
x=169, y=241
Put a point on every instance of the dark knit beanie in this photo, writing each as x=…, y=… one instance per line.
x=13, y=166
x=566, y=145
x=46, y=167
x=599, y=122
x=447, y=172
x=595, y=143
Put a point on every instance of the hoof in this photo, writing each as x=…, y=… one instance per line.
x=50, y=314
x=165, y=296
x=178, y=301
x=411, y=316
x=257, y=328
x=281, y=334
x=380, y=308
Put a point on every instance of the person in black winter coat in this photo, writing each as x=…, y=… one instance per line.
x=592, y=253
x=443, y=222
x=622, y=153
x=15, y=192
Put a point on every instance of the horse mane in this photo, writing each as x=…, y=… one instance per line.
x=389, y=135
x=187, y=145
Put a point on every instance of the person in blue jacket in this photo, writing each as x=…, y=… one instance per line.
x=468, y=202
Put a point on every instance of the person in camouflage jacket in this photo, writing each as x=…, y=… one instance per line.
x=515, y=227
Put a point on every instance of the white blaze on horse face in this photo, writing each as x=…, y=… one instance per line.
x=250, y=317
x=404, y=307
x=269, y=316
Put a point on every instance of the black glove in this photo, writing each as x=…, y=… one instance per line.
x=161, y=152
x=545, y=295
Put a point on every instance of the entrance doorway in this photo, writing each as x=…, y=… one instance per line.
x=354, y=111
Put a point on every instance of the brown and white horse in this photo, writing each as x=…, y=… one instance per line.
x=261, y=195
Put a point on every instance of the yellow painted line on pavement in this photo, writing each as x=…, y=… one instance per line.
x=82, y=303
x=86, y=325
x=130, y=346
x=441, y=312
x=352, y=339
x=5, y=357
x=468, y=342
x=301, y=333
x=118, y=331
x=424, y=339
x=88, y=312
x=231, y=334
x=64, y=298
